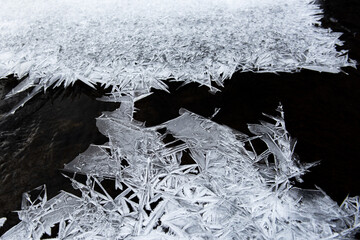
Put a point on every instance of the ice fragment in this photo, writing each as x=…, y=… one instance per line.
x=228, y=192
x=134, y=46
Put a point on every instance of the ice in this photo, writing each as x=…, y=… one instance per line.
x=136, y=45
x=38, y=217
x=230, y=191
x=211, y=182
x=2, y=221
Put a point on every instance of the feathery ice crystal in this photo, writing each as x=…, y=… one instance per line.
x=135, y=45
x=227, y=191
x=211, y=182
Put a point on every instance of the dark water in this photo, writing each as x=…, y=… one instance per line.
x=50, y=130
x=321, y=110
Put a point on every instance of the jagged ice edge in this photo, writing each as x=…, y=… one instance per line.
x=229, y=191
x=134, y=46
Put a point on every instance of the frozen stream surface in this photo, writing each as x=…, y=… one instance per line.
x=135, y=45
x=210, y=182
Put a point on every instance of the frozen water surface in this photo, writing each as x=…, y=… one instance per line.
x=230, y=191
x=135, y=45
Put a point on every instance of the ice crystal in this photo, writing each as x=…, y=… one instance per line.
x=225, y=189
x=229, y=191
x=2, y=221
x=135, y=45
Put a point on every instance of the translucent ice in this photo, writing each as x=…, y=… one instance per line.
x=228, y=192
x=135, y=45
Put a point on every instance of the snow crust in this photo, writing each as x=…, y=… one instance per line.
x=135, y=45
x=229, y=191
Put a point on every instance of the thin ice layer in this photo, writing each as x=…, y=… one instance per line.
x=39, y=216
x=230, y=191
x=134, y=45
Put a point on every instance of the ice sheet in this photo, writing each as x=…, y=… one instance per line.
x=230, y=191
x=135, y=45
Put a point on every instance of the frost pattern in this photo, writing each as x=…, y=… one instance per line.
x=229, y=191
x=210, y=183
x=135, y=45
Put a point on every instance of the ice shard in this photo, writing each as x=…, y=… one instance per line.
x=230, y=191
x=135, y=45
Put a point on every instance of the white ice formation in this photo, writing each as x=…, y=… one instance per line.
x=227, y=191
x=211, y=182
x=135, y=45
